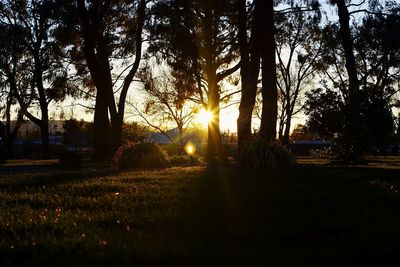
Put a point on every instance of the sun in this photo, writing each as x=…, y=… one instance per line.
x=204, y=117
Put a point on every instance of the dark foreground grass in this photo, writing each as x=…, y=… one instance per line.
x=307, y=216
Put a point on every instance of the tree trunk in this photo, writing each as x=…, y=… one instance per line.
x=44, y=134
x=118, y=121
x=102, y=147
x=250, y=64
x=7, y=138
x=102, y=133
x=352, y=133
x=215, y=153
x=11, y=135
x=44, y=119
x=287, y=129
x=116, y=126
x=269, y=113
x=100, y=73
x=180, y=137
x=280, y=129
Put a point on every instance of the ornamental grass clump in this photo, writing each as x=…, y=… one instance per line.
x=267, y=155
x=143, y=155
x=184, y=160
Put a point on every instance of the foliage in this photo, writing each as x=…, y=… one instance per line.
x=166, y=105
x=364, y=68
x=321, y=153
x=33, y=61
x=143, y=155
x=326, y=110
x=267, y=155
x=74, y=133
x=300, y=52
x=104, y=39
x=134, y=132
x=300, y=133
x=206, y=57
x=377, y=44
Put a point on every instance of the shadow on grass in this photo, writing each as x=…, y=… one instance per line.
x=22, y=182
x=305, y=216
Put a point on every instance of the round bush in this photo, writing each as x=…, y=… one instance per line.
x=268, y=155
x=144, y=155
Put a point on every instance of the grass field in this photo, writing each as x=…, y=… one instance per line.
x=311, y=215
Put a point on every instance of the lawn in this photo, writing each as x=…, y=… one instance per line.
x=312, y=215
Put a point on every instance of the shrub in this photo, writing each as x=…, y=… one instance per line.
x=321, y=153
x=70, y=160
x=268, y=155
x=184, y=160
x=144, y=155
x=173, y=149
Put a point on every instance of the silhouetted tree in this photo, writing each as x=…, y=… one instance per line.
x=299, y=52
x=326, y=117
x=300, y=132
x=269, y=111
x=257, y=18
x=198, y=40
x=42, y=57
x=325, y=113
x=107, y=41
x=134, y=132
x=362, y=70
x=13, y=77
x=377, y=43
x=250, y=58
x=74, y=133
x=165, y=105
x=352, y=128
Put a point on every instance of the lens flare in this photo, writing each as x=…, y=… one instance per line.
x=190, y=148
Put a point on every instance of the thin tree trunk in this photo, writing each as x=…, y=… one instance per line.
x=181, y=141
x=280, y=131
x=11, y=134
x=44, y=119
x=287, y=130
x=8, y=142
x=117, y=122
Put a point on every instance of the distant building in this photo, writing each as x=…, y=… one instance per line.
x=29, y=129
